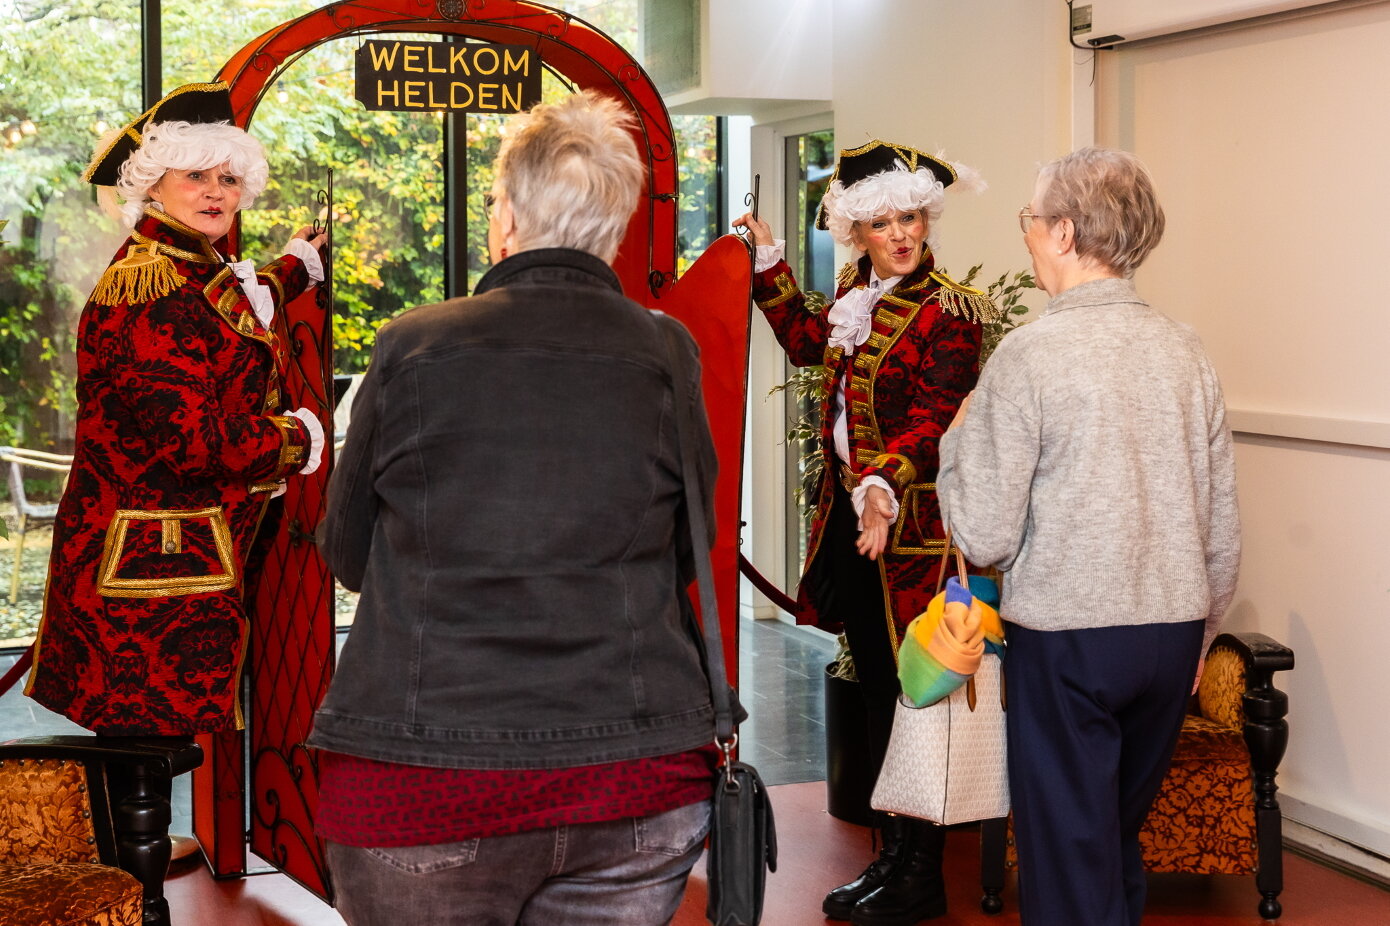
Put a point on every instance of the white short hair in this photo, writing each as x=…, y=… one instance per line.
x=170, y=146
x=572, y=174
x=896, y=190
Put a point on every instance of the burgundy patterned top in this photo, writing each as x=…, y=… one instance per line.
x=363, y=802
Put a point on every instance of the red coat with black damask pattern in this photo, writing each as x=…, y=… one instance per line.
x=904, y=386
x=180, y=442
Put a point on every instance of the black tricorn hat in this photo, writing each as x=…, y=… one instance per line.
x=189, y=103
x=860, y=163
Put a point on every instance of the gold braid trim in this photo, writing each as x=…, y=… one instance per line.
x=848, y=274
x=906, y=473
x=785, y=287
x=290, y=455
x=143, y=275
x=964, y=301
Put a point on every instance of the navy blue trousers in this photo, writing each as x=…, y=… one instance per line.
x=1093, y=716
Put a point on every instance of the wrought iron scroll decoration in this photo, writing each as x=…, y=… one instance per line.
x=281, y=826
x=751, y=201
x=323, y=337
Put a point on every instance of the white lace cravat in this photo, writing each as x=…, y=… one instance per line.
x=852, y=316
x=262, y=303
x=256, y=292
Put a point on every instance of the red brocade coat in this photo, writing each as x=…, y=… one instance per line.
x=905, y=384
x=180, y=442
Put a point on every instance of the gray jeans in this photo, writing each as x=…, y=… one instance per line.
x=619, y=873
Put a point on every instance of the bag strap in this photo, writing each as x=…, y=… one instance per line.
x=725, y=730
x=946, y=561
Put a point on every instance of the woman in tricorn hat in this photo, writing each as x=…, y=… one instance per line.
x=182, y=434
x=901, y=345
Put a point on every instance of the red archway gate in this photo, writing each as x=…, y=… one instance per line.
x=292, y=651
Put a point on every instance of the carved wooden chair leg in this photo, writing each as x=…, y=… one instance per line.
x=142, y=841
x=1267, y=735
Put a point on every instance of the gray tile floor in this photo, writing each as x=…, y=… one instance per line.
x=781, y=683
x=780, y=674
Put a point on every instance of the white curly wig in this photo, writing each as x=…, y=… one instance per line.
x=170, y=146
x=893, y=190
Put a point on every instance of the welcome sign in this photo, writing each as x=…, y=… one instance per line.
x=405, y=76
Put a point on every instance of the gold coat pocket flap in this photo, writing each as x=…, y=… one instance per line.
x=165, y=553
x=919, y=517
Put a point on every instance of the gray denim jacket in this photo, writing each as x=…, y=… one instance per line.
x=509, y=504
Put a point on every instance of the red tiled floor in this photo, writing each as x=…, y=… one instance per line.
x=819, y=852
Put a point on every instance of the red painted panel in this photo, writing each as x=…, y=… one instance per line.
x=292, y=654
x=712, y=299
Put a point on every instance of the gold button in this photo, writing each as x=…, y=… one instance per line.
x=170, y=546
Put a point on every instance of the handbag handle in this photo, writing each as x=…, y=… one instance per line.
x=725, y=729
x=946, y=561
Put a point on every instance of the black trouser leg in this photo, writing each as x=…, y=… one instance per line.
x=849, y=588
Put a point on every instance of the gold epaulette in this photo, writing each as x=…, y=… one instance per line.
x=964, y=301
x=848, y=274
x=142, y=275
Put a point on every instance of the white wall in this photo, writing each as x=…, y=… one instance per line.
x=987, y=83
x=1267, y=143
x=754, y=60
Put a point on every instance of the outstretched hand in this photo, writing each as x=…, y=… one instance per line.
x=878, y=514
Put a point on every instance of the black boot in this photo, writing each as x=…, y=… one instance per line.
x=916, y=890
x=840, y=902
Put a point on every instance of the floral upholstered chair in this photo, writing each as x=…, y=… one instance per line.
x=1216, y=812
x=69, y=855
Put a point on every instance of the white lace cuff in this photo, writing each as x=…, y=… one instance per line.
x=768, y=254
x=315, y=429
x=306, y=252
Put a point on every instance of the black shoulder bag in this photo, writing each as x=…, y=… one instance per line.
x=743, y=838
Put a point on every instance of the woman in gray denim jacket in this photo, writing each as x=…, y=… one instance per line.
x=519, y=727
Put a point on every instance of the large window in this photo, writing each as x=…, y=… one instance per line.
x=809, y=160
x=71, y=69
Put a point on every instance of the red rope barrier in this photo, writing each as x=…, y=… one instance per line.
x=764, y=585
x=17, y=670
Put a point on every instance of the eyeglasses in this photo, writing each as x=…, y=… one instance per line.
x=1025, y=218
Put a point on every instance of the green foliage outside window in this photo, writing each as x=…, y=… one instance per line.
x=69, y=66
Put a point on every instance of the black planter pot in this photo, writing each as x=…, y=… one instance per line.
x=848, y=783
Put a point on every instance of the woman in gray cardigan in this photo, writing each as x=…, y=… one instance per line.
x=1094, y=466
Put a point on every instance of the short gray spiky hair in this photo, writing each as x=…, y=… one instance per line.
x=1109, y=197
x=572, y=174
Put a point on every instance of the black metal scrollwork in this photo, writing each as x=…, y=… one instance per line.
x=658, y=280
x=751, y=201
x=265, y=61
x=560, y=29
x=342, y=19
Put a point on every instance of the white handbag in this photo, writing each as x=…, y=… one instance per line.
x=948, y=762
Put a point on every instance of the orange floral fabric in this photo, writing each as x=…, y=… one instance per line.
x=69, y=895
x=45, y=813
x=1223, y=684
